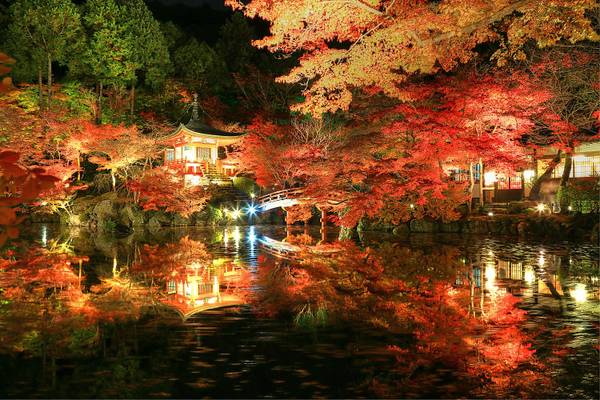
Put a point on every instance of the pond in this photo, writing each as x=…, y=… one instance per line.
x=265, y=311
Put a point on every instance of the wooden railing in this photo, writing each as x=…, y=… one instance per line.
x=284, y=194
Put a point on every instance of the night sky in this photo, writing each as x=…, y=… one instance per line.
x=216, y=4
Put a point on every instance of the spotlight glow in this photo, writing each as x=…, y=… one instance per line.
x=579, y=293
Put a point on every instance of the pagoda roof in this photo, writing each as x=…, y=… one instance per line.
x=196, y=128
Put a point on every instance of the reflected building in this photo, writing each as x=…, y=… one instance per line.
x=199, y=287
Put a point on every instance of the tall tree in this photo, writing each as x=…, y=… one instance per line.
x=150, y=55
x=45, y=29
x=108, y=57
x=349, y=44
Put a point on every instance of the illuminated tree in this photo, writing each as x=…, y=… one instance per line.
x=165, y=189
x=378, y=44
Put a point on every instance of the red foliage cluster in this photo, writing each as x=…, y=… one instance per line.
x=165, y=189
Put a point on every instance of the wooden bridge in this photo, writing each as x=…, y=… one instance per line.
x=280, y=198
x=282, y=249
x=286, y=198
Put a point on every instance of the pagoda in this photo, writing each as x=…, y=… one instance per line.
x=201, y=151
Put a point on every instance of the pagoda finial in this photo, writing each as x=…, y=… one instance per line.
x=195, y=114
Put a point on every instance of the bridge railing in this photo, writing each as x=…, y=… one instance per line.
x=280, y=195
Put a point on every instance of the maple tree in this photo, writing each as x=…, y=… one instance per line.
x=118, y=148
x=165, y=189
x=573, y=110
x=378, y=44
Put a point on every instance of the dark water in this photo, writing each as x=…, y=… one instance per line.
x=261, y=312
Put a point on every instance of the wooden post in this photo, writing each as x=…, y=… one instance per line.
x=323, y=224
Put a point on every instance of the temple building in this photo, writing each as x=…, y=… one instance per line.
x=201, y=151
x=502, y=187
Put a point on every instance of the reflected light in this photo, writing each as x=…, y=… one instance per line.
x=44, y=235
x=490, y=277
x=236, y=235
x=252, y=235
x=541, y=260
x=579, y=293
x=225, y=237
x=529, y=275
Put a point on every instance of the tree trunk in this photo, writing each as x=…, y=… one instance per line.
x=78, y=167
x=534, y=193
x=113, y=180
x=481, y=183
x=40, y=89
x=471, y=186
x=132, y=99
x=49, y=98
x=99, y=113
x=564, y=180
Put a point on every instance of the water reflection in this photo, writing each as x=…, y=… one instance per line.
x=424, y=317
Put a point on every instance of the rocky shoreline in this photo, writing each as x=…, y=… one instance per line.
x=110, y=212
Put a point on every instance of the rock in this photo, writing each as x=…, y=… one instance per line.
x=475, y=226
x=159, y=219
x=595, y=236
x=74, y=220
x=105, y=209
x=450, y=227
x=130, y=216
x=423, y=226
x=44, y=217
x=401, y=230
x=180, y=220
x=522, y=228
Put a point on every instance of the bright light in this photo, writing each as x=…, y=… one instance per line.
x=529, y=275
x=412, y=206
x=251, y=210
x=236, y=234
x=579, y=293
x=570, y=208
x=579, y=158
x=235, y=214
x=541, y=207
x=490, y=214
x=490, y=277
x=528, y=174
x=541, y=260
x=489, y=178
x=252, y=235
x=252, y=195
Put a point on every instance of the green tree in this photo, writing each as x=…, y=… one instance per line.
x=108, y=57
x=196, y=62
x=44, y=30
x=235, y=43
x=150, y=54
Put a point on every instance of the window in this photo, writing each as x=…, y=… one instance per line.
x=170, y=155
x=171, y=287
x=582, y=167
x=203, y=153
